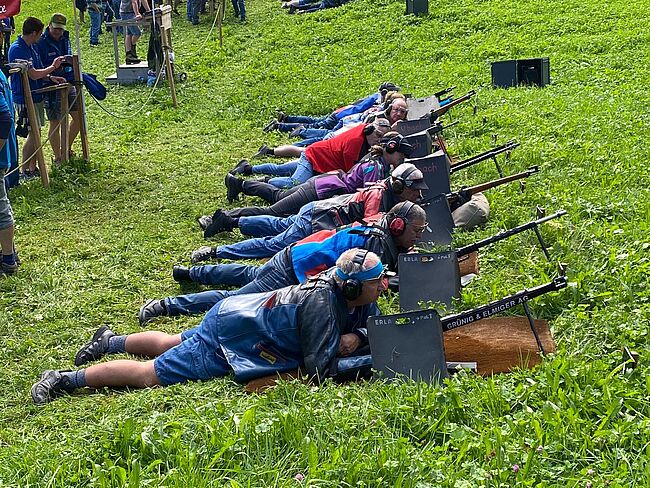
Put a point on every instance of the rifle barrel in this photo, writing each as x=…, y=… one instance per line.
x=483, y=156
x=484, y=311
x=455, y=196
x=442, y=110
x=507, y=233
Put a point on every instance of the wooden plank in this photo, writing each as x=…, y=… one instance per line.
x=35, y=128
x=81, y=107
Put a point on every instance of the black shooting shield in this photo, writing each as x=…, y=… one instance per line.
x=421, y=142
x=409, y=127
x=408, y=346
x=435, y=168
x=440, y=224
x=428, y=277
x=422, y=107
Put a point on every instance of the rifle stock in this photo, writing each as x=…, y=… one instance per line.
x=507, y=233
x=492, y=153
x=470, y=316
x=465, y=193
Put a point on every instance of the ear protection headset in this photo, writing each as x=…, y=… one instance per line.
x=392, y=144
x=398, y=183
x=375, y=125
x=398, y=222
x=352, y=286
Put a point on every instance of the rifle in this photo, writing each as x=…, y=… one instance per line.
x=490, y=154
x=443, y=110
x=534, y=224
x=444, y=92
x=465, y=194
x=521, y=298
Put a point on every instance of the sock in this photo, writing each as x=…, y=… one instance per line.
x=77, y=378
x=116, y=344
x=9, y=259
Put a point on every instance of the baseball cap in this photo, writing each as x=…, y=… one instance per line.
x=58, y=21
x=410, y=176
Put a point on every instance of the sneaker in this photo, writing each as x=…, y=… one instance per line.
x=96, y=348
x=221, y=222
x=271, y=126
x=51, y=385
x=204, y=221
x=233, y=187
x=8, y=269
x=261, y=152
x=181, y=273
x=296, y=132
x=203, y=253
x=243, y=168
x=150, y=310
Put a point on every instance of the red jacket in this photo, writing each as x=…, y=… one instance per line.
x=338, y=153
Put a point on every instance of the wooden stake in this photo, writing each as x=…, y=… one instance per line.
x=81, y=107
x=65, y=149
x=34, y=127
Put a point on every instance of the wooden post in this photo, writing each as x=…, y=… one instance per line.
x=34, y=127
x=165, y=40
x=81, y=107
x=65, y=126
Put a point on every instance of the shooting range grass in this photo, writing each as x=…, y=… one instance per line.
x=105, y=236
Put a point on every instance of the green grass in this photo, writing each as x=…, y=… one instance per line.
x=105, y=235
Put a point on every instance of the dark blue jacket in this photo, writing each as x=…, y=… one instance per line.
x=298, y=326
x=48, y=49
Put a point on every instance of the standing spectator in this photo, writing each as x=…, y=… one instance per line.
x=81, y=6
x=8, y=27
x=96, y=13
x=8, y=157
x=240, y=9
x=130, y=10
x=55, y=42
x=23, y=48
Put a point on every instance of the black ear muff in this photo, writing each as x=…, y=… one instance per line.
x=352, y=286
x=368, y=129
x=398, y=223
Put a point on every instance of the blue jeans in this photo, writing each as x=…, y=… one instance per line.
x=273, y=275
x=193, y=9
x=240, y=9
x=95, y=21
x=282, y=169
x=303, y=172
x=308, y=133
x=295, y=227
x=116, y=13
x=293, y=121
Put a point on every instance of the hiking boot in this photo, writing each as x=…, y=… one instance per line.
x=203, y=253
x=221, y=222
x=204, y=221
x=51, y=385
x=131, y=60
x=96, y=348
x=181, y=273
x=150, y=310
x=296, y=132
x=271, y=126
x=233, y=187
x=261, y=152
x=8, y=269
x=243, y=168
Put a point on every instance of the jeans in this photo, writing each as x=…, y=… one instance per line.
x=116, y=13
x=273, y=275
x=193, y=9
x=293, y=121
x=292, y=173
x=292, y=229
x=240, y=9
x=96, y=17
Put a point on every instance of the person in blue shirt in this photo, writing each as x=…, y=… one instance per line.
x=53, y=44
x=24, y=48
x=8, y=158
x=317, y=325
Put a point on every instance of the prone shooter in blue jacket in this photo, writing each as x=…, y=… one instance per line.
x=314, y=326
x=394, y=233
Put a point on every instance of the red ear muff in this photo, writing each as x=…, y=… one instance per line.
x=392, y=146
x=397, y=226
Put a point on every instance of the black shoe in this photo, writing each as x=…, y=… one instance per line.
x=203, y=253
x=243, y=168
x=280, y=116
x=181, y=273
x=51, y=385
x=261, y=152
x=221, y=222
x=8, y=269
x=96, y=348
x=150, y=310
x=204, y=221
x=271, y=126
x=233, y=187
x=292, y=9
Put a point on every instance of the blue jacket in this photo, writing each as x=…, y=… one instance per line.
x=9, y=152
x=358, y=106
x=48, y=49
x=298, y=326
x=20, y=50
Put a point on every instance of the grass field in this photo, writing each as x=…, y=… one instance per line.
x=105, y=235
